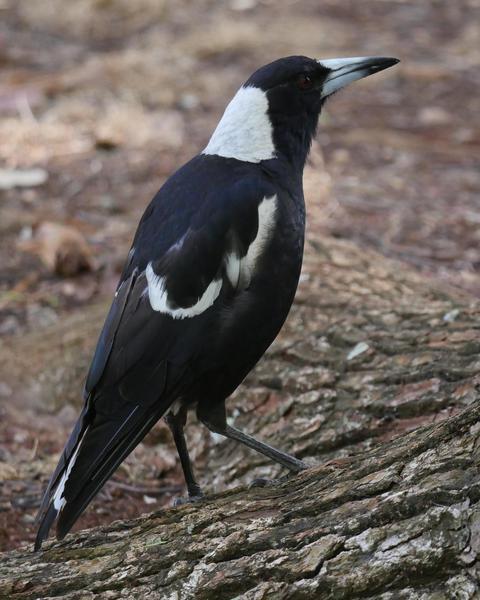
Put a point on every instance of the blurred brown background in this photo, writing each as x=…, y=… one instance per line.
x=100, y=100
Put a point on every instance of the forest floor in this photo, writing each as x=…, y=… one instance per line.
x=106, y=99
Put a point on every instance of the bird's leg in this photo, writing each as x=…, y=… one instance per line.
x=176, y=423
x=216, y=421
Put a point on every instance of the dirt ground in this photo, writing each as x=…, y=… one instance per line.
x=105, y=98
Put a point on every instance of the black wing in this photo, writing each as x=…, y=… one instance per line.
x=143, y=357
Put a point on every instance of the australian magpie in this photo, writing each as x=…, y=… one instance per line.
x=207, y=284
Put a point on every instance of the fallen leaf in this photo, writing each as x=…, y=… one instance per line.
x=61, y=248
x=7, y=471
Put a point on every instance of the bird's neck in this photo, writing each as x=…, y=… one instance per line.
x=251, y=131
x=244, y=131
x=293, y=137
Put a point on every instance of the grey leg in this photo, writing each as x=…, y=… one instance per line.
x=176, y=422
x=215, y=419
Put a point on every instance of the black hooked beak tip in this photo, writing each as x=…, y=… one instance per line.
x=346, y=70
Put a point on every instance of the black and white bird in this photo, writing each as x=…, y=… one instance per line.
x=207, y=285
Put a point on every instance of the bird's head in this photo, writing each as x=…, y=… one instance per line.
x=276, y=111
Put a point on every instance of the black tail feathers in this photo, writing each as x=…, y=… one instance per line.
x=97, y=446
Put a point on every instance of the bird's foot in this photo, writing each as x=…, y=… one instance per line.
x=187, y=500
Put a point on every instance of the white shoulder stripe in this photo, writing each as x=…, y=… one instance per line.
x=232, y=267
x=244, y=131
x=159, y=301
x=240, y=270
x=266, y=221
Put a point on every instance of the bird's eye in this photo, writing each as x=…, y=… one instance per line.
x=304, y=82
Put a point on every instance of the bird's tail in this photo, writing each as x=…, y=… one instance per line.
x=96, y=447
x=65, y=459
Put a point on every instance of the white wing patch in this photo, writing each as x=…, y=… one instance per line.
x=232, y=267
x=244, y=131
x=159, y=301
x=240, y=270
x=266, y=221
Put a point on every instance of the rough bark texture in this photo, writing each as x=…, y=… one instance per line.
x=371, y=377
x=375, y=382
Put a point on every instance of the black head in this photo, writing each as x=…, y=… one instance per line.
x=276, y=111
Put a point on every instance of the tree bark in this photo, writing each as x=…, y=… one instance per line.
x=374, y=382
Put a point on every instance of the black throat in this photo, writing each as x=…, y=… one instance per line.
x=293, y=135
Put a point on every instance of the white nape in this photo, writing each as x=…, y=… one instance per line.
x=58, y=499
x=244, y=131
x=158, y=296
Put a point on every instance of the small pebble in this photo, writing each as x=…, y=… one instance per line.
x=451, y=316
x=360, y=348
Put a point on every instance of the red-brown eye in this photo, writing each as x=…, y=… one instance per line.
x=304, y=82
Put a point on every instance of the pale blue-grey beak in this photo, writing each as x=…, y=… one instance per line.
x=346, y=70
